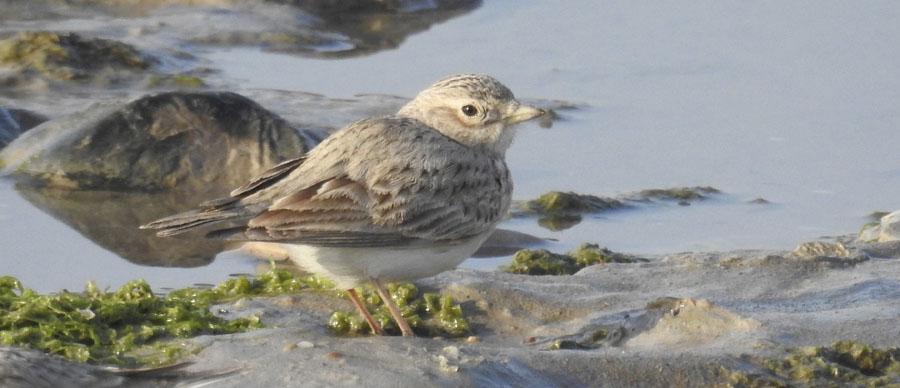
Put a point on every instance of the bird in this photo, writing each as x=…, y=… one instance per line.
x=392, y=198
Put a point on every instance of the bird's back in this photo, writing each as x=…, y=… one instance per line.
x=377, y=182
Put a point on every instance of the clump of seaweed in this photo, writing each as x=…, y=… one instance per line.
x=69, y=56
x=559, y=210
x=558, y=202
x=842, y=363
x=131, y=326
x=544, y=262
x=429, y=314
x=177, y=81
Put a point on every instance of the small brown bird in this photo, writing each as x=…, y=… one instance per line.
x=393, y=198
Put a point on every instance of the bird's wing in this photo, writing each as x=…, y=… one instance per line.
x=401, y=182
x=224, y=210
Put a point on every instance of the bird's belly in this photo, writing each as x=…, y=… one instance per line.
x=348, y=267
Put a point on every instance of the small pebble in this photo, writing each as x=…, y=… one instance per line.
x=529, y=340
x=289, y=347
x=452, y=352
x=473, y=339
x=334, y=355
x=305, y=345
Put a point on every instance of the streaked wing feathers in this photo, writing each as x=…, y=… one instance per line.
x=268, y=178
x=378, y=182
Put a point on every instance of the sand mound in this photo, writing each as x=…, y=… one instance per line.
x=686, y=322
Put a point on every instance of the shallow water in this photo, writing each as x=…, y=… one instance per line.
x=47, y=255
x=795, y=103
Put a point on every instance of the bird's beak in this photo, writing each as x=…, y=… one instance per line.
x=522, y=113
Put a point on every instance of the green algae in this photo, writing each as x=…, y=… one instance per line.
x=844, y=363
x=559, y=210
x=541, y=262
x=429, y=314
x=177, y=81
x=558, y=202
x=69, y=57
x=569, y=203
x=544, y=262
x=131, y=326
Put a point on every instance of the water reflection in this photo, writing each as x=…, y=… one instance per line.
x=111, y=219
x=375, y=30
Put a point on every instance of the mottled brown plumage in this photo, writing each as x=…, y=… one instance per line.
x=391, y=198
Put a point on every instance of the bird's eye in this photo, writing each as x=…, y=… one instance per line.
x=469, y=110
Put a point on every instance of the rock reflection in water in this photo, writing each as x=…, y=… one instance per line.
x=310, y=28
x=111, y=219
x=386, y=28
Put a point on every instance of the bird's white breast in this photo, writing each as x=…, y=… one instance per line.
x=348, y=267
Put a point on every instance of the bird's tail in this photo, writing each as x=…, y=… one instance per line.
x=198, y=219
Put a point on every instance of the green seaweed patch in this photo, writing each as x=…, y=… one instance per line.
x=843, y=363
x=69, y=57
x=429, y=314
x=177, y=81
x=561, y=210
x=541, y=262
x=544, y=262
x=131, y=326
x=558, y=202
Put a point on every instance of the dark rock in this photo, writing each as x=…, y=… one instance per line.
x=111, y=168
x=198, y=143
x=13, y=122
x=683, y=195
x=335, y=7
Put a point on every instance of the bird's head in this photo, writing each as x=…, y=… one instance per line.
x=473, y=109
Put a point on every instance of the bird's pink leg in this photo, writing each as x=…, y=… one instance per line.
x=376, y=328
x=392, y=307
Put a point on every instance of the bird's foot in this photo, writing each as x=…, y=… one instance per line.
x=361, y=307
x=392, y=307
